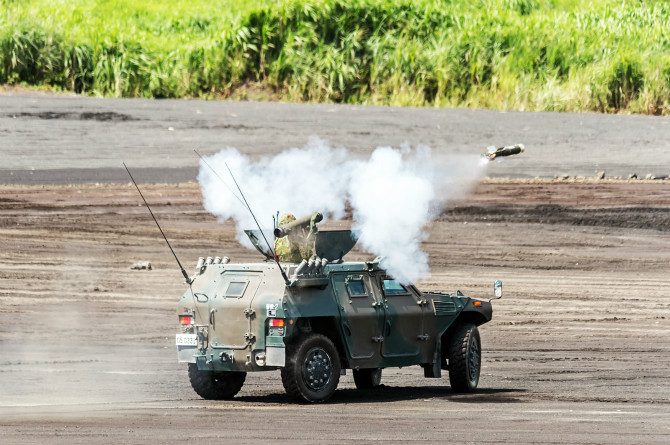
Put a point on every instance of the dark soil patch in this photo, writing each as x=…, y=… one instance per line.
x=98, y=116
x=629, y=217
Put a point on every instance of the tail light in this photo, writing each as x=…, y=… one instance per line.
x=277, y=322
x=186, y=320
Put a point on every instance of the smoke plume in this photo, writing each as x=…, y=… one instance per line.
x=394, y=194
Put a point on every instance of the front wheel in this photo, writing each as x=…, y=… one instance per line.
x=212, y=385
x=465, y=358
x=367, y=378
x=312, y=369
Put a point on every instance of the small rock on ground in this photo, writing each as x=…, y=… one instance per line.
x=141, y=265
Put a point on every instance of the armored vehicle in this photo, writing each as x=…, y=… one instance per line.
x=315, y=319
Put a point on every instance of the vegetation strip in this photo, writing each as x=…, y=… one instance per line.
x=562, y=55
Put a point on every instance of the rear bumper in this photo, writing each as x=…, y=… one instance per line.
x=215, y=359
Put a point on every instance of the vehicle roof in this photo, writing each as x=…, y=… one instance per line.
x=345, y=266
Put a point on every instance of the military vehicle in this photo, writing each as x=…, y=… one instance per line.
x=315, y=319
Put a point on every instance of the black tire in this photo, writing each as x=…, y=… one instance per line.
x=465, y=359
x=212, y=385
x=312, y=369
x=368, y=378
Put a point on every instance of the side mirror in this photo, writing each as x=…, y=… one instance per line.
x=497, y=290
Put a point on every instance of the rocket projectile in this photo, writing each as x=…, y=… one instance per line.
x=492, y=152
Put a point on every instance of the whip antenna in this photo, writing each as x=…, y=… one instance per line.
x=220, y=178
x=183, y=272
x=274, y=255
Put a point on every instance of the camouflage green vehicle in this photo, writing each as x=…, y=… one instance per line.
x=327, y=316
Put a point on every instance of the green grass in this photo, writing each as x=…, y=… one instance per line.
x=562, y=55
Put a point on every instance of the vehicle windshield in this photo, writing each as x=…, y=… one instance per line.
x=392, y=286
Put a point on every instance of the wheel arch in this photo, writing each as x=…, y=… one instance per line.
x=435, y=369
x=464, y=317
x=473, y=317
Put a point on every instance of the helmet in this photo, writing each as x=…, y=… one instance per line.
x=285, y=219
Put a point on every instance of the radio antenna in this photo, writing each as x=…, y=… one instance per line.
x=220, y=178
x=183, y=272
x=274, y=255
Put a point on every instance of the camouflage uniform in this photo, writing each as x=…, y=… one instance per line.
x=294, y=247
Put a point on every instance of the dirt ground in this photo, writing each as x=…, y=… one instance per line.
x=578, y=350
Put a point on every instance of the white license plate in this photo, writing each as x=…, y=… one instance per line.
x=187, y=340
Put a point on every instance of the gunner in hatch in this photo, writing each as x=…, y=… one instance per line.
x=296, y=245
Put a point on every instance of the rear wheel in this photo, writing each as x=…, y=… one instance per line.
x=465, y=359
x=367, y=378
x=213, y=385
x=312, y=369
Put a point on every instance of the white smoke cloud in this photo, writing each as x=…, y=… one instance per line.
x=394, y=194
x=298, y=181
x=391, y=195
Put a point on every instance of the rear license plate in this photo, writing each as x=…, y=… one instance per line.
x=187, y=340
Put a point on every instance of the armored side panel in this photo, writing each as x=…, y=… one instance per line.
x=258, y=238
x=334, y=244
x=310, y=298
x=194, y=335
x=382, y=323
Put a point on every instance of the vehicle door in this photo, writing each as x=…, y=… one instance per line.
x=403, y=328
x=230, y=326
x=361, y=318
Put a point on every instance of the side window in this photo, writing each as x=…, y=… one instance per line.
x=235, y=289
x=356, y=288
x=392, y=287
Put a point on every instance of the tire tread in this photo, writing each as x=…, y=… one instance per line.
x=289, y=373
x=364, y=379
x=458, y=357
x=215, y=386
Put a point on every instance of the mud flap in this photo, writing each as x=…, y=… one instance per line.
x=185, y=354
x=275, y=356
x=434, y=370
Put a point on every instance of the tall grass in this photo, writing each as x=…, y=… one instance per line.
x=564, y=55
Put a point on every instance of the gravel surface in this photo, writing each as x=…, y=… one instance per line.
x=578, y=350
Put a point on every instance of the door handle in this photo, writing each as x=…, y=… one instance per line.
x=212, y=320
x=388, y=328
